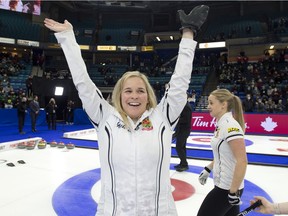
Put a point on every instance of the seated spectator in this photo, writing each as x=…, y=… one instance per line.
x=5, y=80
x=286, y=105
x=8, y=104
x=259, y=106
x=270, y=106
x=280, y=107
x=192, y=100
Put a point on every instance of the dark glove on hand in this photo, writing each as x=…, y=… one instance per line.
x=234, y=199
x=195, y=19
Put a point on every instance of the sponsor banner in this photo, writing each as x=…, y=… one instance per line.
x=212, y=45
x=127, y=48
x=268, y=124
x=147, y=48
x=106, y=48
x=7, y=40
x=28, y=43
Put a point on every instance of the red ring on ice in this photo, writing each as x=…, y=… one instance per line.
x=183, y=190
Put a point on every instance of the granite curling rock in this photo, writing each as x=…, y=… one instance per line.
x=22, y=145
x=42, y=144
x=61, y=144
x=30, y=145
x=53, y=144
x=70, y=146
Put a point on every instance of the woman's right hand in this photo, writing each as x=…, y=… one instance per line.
x=56, y=26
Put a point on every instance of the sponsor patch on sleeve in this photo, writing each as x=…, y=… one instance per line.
x=233, y=130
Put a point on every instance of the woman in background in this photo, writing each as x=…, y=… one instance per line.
x=230, y=160
x=51, y=114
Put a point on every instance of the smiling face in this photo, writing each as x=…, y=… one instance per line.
x=215, y=107
x=134, y=97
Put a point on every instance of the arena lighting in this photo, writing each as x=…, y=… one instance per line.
x=272, y=47
x=58, y=91
x=158, y=39
x=212, y=45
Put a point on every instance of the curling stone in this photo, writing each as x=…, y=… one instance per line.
x=30, y=145
x=70, y=146
x=61, y=144
x=21, y=145
x=42, y=144
x=53, y=144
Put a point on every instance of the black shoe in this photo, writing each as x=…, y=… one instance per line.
x=195, y=19
x=182, y=168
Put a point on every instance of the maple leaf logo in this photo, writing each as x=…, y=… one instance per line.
x=269, y=125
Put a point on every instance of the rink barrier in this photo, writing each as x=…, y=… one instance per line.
x=79, y=133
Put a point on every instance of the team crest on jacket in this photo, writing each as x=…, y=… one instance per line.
x=233, y=129
x=146, y=124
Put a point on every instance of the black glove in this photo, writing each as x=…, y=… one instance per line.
x=194, y=19
x=234, y=198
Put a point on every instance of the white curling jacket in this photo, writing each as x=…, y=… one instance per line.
x=135, y=163
x=227, y=129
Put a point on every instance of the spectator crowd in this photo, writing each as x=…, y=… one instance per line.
x=262, y=86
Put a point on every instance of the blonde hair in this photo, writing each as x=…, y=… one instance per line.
x=52, y=100
x=234, y=104
x=116, y=94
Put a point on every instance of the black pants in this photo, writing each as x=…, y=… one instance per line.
x=216, y=204
x=21, y=120
x=181, y=140
x=70, y=117
x=33, y=120
x=51, y=120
